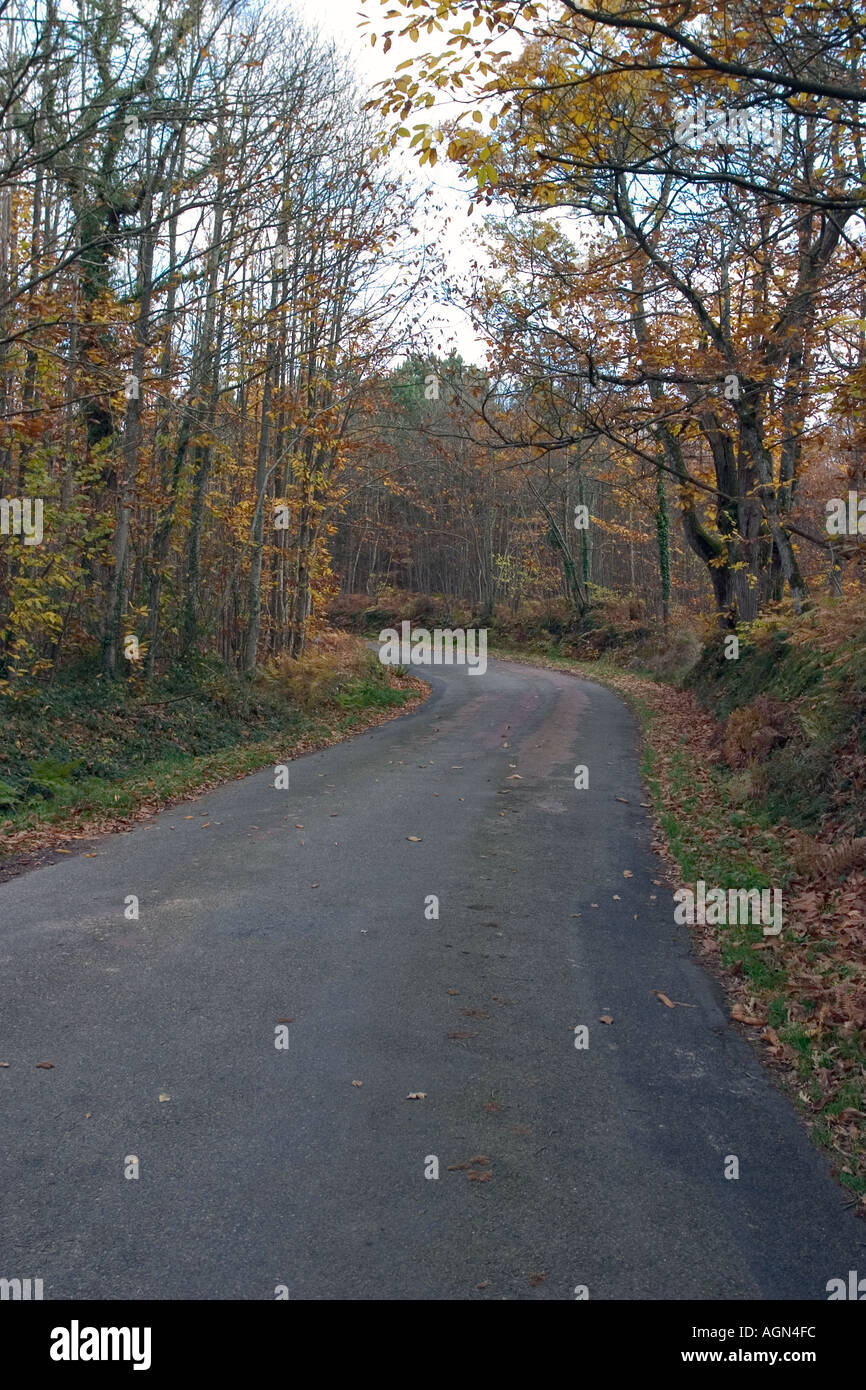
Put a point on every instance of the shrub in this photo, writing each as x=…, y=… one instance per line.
x=754, y=730
x=331, y=661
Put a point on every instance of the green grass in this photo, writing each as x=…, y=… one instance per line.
x=85, y=751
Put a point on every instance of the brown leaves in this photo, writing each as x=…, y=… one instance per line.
x=671, y=1003
x=740, y=1015
x=46, y=1066
x=476, y=1169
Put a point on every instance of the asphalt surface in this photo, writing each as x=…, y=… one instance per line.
x=605, y=1166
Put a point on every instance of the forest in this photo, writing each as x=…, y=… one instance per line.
x=241, y=439
x=213, y=383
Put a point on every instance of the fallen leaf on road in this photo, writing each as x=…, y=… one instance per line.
x=627, y=873
x=482, y=1287
x=91, y=856
x=462, y=1035
x=479, y=1161
x=536, y=1279
x=284, y=1020
x=357, y=1083
x=163, y=1096
x=453, y=991
x=672, y=1003
x=298, y=827
x=605, y=1018
x=515, y=777
x=415, y=839
x=479, y=1177
x=46, y=1066
x=617, y=898
x=417, y=1095
x=622, y=799
x=4, y=1064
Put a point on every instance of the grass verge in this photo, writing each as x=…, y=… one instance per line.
x=84, y=759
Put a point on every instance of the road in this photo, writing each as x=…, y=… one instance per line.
x=598, y=1168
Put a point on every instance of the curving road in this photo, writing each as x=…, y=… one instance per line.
x=604, y=1166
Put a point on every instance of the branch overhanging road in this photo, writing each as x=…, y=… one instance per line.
x=605, y=1166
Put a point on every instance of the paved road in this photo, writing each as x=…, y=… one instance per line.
x=605, y=1166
